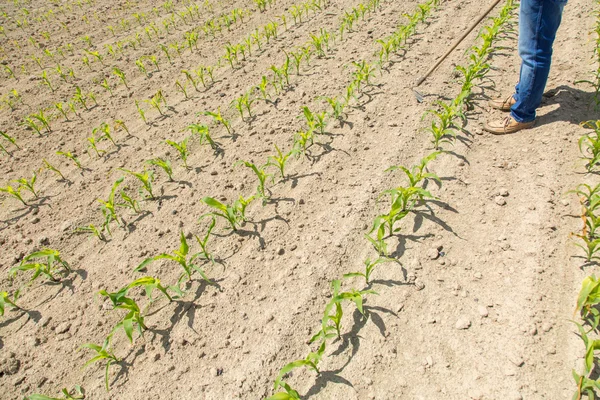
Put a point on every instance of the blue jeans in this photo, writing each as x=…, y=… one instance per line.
x=538, y=22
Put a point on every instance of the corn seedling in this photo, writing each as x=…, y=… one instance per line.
x=133, y=316
x=10, y=139
x=244, y=102
x=141, y=111
x=234, y=214
x=181, y=257
x=280, y=160
x=311, y=362
x=182, y=149
x=27, y=184
x=91, y=228
x=181, y=88
x=46, y=81
x=369, y=267
x=140, y=64
x=108, y=207
x=129, y=202
x=52, y=168
x=60, y=108
x=102, y=353
x=120, y=125
x=157, y=100
x=52, y=265
x=93, y=145
x=315, y=121
x=589, y=144
x=76, y=394
x=262, y=176
x=419, y=173
x=121, y=75
x=6, y=300
x=204, y=253
x=329, y=331
x=145, y=177
x=218, y=117
x=72, y=157
x=16, y=193
x=165, y=165
x=80, y=97
x=203, y=134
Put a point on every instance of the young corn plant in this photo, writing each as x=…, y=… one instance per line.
x=311, y=362
x=109, y=207
x=146, y=178
x=589, y=144
x=218, y=118
x=10, y=139
x=165, y=165
x=141, y=112
x=369, y=267
x=280, y=160
x=203, y=242
x=315, y=121
x=78, y=393
x=91, y=228
x=50, y=265
x=329, y=330
x=234, y=214
x=72, y=157
x=15, y=193
x=129, y=202
x=102, y=353
x=419, y=172
x=157, y=101
x=182, y=149
x=183, y=258
x=27, y=184
x=121, y=75
x=203, y=134
x=5, y=299
x=262, y=176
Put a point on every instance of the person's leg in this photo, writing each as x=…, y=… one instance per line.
x=538, y=22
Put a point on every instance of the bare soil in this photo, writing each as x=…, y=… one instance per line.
x=507, y=270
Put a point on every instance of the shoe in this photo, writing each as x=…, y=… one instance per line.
x=503, y=104
x=506, y=125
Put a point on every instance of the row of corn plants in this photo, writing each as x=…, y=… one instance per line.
x=330, y=328
x=588, y=301
x=404, y=199
x=449, y=116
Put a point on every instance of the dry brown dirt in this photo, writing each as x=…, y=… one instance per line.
x=506, y=271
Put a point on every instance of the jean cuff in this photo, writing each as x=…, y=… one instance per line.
x=518, y=119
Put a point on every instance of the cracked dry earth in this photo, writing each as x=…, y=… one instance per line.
x=478, y=307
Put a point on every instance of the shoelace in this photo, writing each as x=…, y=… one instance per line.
x=506, y=122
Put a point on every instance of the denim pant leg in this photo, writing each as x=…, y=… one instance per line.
x=538, y=22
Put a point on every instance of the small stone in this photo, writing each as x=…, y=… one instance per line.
x=419, y=285
x=483, y=311
x=516, y=360
x=463, y=323
x=35, y=220
x=432, y=253
x=43, y=241
x=500, y=201
x=18, y=380
x=546, y=326
x=65, y=226
x=477, y=275
x=301, y=201
x=281, y=251
x=503, y=192
x=63, y=327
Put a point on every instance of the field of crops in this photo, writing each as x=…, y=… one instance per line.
x=244, y=200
